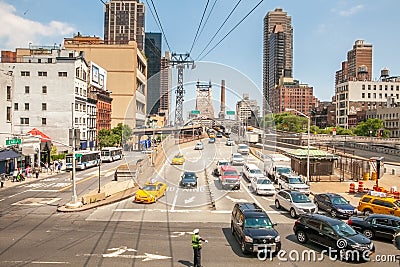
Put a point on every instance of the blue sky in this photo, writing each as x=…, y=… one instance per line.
x=323, y=33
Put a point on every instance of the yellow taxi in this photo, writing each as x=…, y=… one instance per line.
x=379, y=204
x=178, y=159
x=211, y=135
x=150, y=192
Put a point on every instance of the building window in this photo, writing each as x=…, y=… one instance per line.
x=8, y=116
x=44, y=106
x=39, y=60
x=49, y=60
x=44, y=89
x=8, y=93
x=26, y=89
x=363, y=95
x=25, y=73
x=363, y=86
x=369, y=87
x=44, y=121
x=26, y=106
x=24, y=120
x=62, y=74
x=76, y=90
x=15, y=106
x=369, y=95
x=42, y=73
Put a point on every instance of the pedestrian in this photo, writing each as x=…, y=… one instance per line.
x=37, y=172
x=46, y=166
x=196, y=244
x=51, y=168
x=59, y=166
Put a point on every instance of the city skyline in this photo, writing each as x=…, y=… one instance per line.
x=320, y=42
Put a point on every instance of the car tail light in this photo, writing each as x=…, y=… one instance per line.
x=349, y=222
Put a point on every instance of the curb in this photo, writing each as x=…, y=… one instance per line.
x=127, y=193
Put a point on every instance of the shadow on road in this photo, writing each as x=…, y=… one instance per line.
x=185, y=263
x=232, y=242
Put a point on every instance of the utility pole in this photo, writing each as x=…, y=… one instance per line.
x=181, y=61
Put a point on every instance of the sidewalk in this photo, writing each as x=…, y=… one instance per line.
x=387, y=182
x=43, y=175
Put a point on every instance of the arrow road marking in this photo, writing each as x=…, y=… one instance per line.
x=235, y=199
x=117, y=253
x=189, y=200
x=178, y=234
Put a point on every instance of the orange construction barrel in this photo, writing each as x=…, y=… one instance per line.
x=360, y=186
x=352, y=188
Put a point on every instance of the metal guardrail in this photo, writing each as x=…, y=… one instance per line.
x=211, y=195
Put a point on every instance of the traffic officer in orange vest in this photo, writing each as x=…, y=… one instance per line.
x=196, y=244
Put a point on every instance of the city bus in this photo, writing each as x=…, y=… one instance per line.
x=110, y=154
x=84, y=159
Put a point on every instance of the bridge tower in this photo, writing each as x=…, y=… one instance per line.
x=204, y=100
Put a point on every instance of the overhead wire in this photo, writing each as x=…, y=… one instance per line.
x=158, y=21
x=208, y=16
x=226, y=35
x=198, y=28
x=219, y=29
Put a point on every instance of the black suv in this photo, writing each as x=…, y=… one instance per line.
x=342, y=241
x=253, y=229
x=376, y=225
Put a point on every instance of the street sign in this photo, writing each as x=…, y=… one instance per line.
x=11, y=142
x=195, y=112
x=230, y=112
x=77, y=156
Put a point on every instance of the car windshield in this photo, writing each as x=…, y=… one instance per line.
x=189, y=175
x=343, y=229
x=300, y=198
x=283, y=169
x=223, y=163
x=295, y=180
x=237, y=156
x=257, y=223
x=397, y=203
x=339, y=200
x=243, y=147
x=263, y=181
x=149, y=187
x=230, y=173
x=189, y=179
x=178, y=156
x=256, y=171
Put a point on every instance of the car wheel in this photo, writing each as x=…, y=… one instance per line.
x=277, y=205
x=367, y=212
x=243, y=247
x=293, y=213
x=232, y=229
x=316, y=204
x=368, y=233
x=333, y=213
x=301, y=237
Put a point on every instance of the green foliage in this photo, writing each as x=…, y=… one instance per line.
x=114, y=137
x=291, y=123
x=369, y=128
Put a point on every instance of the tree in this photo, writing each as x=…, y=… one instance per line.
x=369, y=127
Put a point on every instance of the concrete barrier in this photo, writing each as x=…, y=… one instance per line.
x=91, y=198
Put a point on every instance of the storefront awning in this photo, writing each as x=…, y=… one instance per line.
x=8, y=154
x=36, y=132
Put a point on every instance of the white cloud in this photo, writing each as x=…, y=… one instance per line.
x=19, y=32
x=349, y=12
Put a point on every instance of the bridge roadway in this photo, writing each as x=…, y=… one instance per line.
x=131, y=234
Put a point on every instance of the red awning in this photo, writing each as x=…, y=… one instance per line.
x=36, y=132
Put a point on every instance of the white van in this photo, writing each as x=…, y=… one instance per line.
x=251, y=171
x=275, y=164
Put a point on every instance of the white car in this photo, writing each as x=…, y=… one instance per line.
x=237, y=159
x=220, y=163
x=293, y=182
x=295, y=202
x=243, y=149
x=230, y=142
x=199, y=146
x=262, y=186
x=251, y=170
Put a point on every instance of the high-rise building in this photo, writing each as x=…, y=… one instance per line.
x=152, y=50
x=278, y=51
x=358, y=66
x=165, y=87
x=247, y=111
x=124, y=22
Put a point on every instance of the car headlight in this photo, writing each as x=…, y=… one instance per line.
x=248, y=239
x=340, y=210
x=278, y=238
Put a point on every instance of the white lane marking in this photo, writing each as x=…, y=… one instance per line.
x=188, y=211
x=43, y=190
x=38, y=262
x=189, y=200
x=175, y=198
x=18, y=194
x=254, y=199
x=235, y=200
x=2, y=199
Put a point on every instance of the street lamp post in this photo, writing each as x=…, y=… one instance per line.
x=308, y=138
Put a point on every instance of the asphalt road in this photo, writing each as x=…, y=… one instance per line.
x=130, y=234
